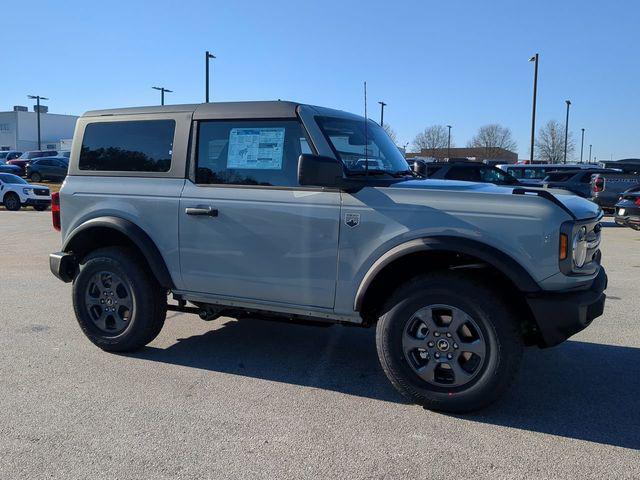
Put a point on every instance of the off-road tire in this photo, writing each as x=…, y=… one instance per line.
x=498, y=325
x=149, y=299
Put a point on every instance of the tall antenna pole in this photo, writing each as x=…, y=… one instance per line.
x=533, y=112
x=366, y=140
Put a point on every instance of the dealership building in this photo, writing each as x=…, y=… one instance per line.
x=19, y=129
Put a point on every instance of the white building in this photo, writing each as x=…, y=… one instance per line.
x=19, y=129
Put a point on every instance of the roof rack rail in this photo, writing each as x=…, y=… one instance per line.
x=544, y=194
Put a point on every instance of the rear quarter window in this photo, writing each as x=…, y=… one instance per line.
x=128, y=146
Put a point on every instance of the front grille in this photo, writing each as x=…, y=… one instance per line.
x=41, y=191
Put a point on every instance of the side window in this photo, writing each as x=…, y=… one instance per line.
x=492, y=175
x=250, y=152
x=516, y=172
x=129, y=146
x=467, y=174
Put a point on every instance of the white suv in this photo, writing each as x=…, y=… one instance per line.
x=16, y=192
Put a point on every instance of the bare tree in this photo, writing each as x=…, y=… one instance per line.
x=550, y=143
x=492, y=138
x=391, y=132
x=432, y=138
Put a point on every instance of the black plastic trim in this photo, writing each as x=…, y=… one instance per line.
x=490, y=255
x=80, y=238
x=544, y=194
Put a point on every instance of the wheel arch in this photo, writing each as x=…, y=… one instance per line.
x=110, y=231
x=428, y=254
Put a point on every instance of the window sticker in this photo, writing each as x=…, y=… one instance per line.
x=256, y=148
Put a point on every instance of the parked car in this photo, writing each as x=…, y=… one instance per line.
x=26, y=157
x=606, y=188
x=15, y=192
x=473, y=172
x=6, y=155
x=6, y=168
x=534, y=174
x=66, y=154
x=245, y=221
x=576, y=181
x=628, y=209
x=47, y=168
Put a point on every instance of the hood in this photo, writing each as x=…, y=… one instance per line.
x=580, y=207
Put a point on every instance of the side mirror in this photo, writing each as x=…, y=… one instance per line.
x=319, y=171
x=420, y=168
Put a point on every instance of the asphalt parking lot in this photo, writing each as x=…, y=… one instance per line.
x=251, y=399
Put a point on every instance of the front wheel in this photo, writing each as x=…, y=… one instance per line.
x=119, y=305
x=36, y=177
x=11, y=201
x=449, y=343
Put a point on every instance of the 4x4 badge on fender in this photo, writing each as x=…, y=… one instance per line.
x=352, y=219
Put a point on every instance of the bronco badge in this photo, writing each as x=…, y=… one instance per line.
x=352, y=219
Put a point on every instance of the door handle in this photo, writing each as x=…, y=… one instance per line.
x=204, y=211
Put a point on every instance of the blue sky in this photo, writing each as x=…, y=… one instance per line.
x=462, y=63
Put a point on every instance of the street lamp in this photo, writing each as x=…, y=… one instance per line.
x=535, y=93
x=382, y=105
x=162, y=90
x=37, y=98
x=581, y=145
x=449, y=142
x=207, y=56
x=590, y=152
x=566, y=130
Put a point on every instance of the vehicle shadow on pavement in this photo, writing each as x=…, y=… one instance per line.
x=335, y=358
x=586, y=391
x=579, y=390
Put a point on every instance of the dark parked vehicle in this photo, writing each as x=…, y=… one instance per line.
x=470, y=172
x=533, y=174
x=27, y=157
x=47, y=168
x=5, y=168
x=628, y=209
x=576, y=181
x=6, y=155
x=424, y=168
x=606, y=188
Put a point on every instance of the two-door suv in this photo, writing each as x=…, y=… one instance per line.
x=278, y=210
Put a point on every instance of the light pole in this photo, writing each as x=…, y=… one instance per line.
x=590, y=152
x=382, y=105
x=207, y=56
x=533, y=112
x=566, y=130
x=581, y=145
x=37, y=99
x=162, y=90
x=449, y=142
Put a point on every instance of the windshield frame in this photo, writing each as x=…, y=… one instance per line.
x=374, y=131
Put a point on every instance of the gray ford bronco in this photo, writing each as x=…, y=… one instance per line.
x=282, y=211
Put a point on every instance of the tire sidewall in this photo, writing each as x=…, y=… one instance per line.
x=492, y=319
x=12, y=207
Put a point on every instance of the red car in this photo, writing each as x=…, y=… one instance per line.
x=26, y=157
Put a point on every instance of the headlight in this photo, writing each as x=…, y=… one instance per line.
x=579, y=249
x=27, y=191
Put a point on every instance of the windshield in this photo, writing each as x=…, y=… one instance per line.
x=348, y=139
x=10, y=178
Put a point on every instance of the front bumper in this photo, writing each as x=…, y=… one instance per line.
x=560, y=315
x=30, y=202
x=631, y=218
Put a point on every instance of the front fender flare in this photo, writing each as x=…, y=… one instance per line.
x=490, y=255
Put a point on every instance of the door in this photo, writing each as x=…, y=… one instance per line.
x=59, y=169
x=247, y=229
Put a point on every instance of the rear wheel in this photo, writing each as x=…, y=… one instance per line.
x=449, y=343
x=11, y=201
x=119, y=305
x=36, y=177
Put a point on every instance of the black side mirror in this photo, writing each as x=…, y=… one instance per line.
x=319, y=171
x=420, y=168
